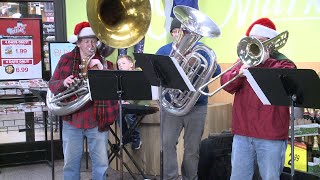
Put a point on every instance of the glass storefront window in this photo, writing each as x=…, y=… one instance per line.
x=23, y=9
x=10, y=9
x=43, y=10
x=27, y=133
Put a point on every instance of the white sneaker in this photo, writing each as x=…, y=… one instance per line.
x=136, y=145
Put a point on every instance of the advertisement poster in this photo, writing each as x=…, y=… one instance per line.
x=20, y=49
x=56, y=50
x=48, y=30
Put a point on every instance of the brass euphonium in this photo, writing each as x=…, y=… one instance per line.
x=118, y=24
x=195, y=25
x=60, y=105
x=250, y=52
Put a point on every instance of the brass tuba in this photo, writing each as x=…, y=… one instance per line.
x=118, y=24
x=250, y=52
x=195, y=25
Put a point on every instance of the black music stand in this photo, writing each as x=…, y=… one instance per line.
x=41, y=93
x=163, y=71
x=119, y=85
x=286, y=87
x=140, y=111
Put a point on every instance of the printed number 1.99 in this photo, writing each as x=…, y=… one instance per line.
x=21, y=51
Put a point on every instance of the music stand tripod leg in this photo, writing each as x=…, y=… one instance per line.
x=121, y=144
x=292, y=118
x=161, y=132
x=113, y=147
x=111, y=155
x=127, y=167
x=127, y=135
x=132, y=128
x=135, y=163
x=52, y=144
x=115, y=153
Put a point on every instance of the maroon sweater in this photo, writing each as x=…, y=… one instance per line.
x=249, y=116
x=94, y=113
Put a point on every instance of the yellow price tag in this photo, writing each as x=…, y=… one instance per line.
x=300, y=156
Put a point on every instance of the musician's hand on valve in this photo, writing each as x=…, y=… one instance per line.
x=242, y=68
x=95, y=64
x=68, y=81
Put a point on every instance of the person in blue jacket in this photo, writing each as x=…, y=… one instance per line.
x=191, y=3
x=192, y=123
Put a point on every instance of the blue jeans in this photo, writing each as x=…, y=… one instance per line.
x=73, y=150
x=129, y=121
x=269, y=155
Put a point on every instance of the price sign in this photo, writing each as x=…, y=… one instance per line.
x=20, y=49
x=18, y=67
x=17, y=48
x=300, y=157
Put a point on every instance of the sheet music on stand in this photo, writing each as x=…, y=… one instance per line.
x=164, y=72
x=119, y=85
x=166, y=68
x=274, y=92
x=103, y=85
x=286, y=87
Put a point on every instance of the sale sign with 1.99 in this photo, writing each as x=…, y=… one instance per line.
x=20, y=50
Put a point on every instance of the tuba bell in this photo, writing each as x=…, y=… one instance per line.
x=250, y=52
x=118, y=24
x=195, y=25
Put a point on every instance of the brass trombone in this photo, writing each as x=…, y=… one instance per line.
x=250, y=52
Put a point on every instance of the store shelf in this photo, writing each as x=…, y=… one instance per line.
x=305, y=130
x=23, y=123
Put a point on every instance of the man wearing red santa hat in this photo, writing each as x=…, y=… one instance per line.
x=94, y=118
x=260, y=131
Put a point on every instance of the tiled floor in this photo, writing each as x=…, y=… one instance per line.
x=43, y=172
x=11, y=126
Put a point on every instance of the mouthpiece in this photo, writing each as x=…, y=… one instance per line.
x=91, y=50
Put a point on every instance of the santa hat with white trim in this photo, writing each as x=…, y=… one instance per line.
x=81, y=30
x=262, y=27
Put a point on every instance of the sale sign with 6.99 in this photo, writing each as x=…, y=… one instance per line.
x=20, y=49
